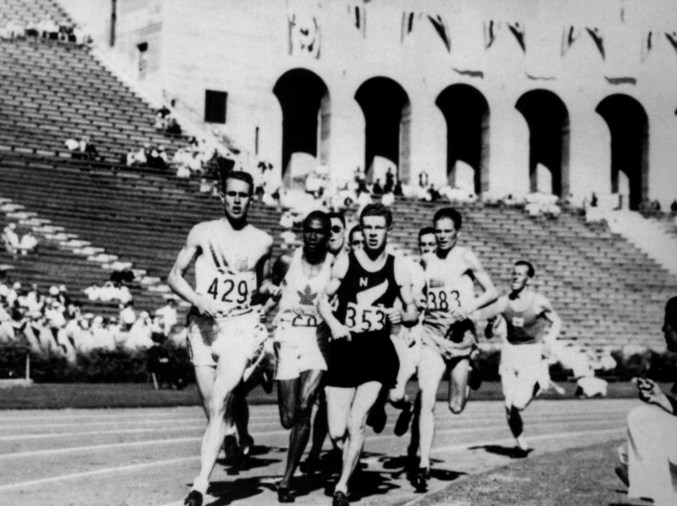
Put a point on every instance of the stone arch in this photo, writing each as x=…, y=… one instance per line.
x=387, y=113
x=629, y=128
x=466, y=113
x=548, y=120
x=306, y=112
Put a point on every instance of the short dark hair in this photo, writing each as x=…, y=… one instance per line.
x=353, y=231
x=425, y=231
x=450, y=213
x=377, y=210
x=238, y=175
x=339, y=216
x=320, y=216
x=530, y=268
x=671, y=312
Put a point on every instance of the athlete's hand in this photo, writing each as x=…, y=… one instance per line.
x=340, y=331
x=458, y=314
x=394, y=315
x=651, y=393
x=207, y=306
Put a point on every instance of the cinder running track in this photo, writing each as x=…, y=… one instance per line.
x=148, y=457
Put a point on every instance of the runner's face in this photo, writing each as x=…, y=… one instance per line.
x=670, y=335
x=375, y=232
x=357, y=242
x=520, y=277
x=337, y=237
x=236, y=199
x=427, y=244
x=445, y=233
x=315, y=236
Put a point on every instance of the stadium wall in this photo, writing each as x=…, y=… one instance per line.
x=551, y=58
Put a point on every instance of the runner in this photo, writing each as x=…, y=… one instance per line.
x=356, y=238
x=231, y=259
x=361, y=355
x=524, y=318
x=448, y=336
x=301, y=365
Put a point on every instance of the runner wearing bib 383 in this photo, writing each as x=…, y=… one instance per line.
x=224, y=334
x=448, y=334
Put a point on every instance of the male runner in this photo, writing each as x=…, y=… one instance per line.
x=301, y=365
x=337, y=239
x=361, y=355
x=448, y=336
x=231, y=259
x=355, y=238
x=530, y=326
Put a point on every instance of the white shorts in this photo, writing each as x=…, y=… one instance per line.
x=210, y=338
x=297, y=351
x=408, y=354
x=523, y=360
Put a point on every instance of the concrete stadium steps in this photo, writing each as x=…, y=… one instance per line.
x=141, y=217
x=52, y=91
x=606, y=290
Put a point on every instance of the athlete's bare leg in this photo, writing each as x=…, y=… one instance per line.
x=319, y=434
x=227, y=376
x=296, y=405
x=430, y=371
x=518, y=392
x=338, y=412
x=365, y=397
x=204, y=376
x=458, y=384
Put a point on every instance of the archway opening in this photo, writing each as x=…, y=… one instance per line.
x=305, y=103
x=387, y=113
x=466, y=113
x=629, y=128
x=548, y=121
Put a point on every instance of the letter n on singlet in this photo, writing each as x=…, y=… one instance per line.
x=364, y=282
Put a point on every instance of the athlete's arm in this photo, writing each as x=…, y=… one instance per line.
x=494, y=315
x=489, y=294
x=544, y=308
x=403, y=279
x=338, y=272
x=263, y=273
x=177, y=281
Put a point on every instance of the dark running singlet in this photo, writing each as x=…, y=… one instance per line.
x=526, y=326
x=370, y=355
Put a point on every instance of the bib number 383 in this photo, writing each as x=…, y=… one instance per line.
x=442, y=300
x=365, y=318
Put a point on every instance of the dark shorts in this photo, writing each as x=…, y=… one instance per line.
x=368, y=357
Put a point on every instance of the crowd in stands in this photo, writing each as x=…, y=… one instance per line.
x=43, y=29
x=165, y=122
x=154, y=157
x=17, y=243
x=82, y=149
x=53, y=323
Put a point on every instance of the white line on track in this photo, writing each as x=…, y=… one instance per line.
x=75, y=449
x=448, y=449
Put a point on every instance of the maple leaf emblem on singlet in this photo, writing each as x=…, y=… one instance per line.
x=307, y=296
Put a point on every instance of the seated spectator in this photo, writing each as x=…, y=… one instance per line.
x=92, y=291
x=140, y=333
x=48, y=29
x=31, y=29
x=648, y=458
x=28, y=243
x=397, y=191
x=83, y=339
x=390, y=181
x=11, y=30
x=103, y=338
x=108, y=292
x=172, y=126
x=377, y=189
x=10, y=239
x=169, y=315
x=127, y=316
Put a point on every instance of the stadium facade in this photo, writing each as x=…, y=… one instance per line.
x=509, y=96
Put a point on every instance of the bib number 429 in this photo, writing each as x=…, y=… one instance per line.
x=229, y=290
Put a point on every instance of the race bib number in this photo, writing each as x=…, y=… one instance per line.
x=440, y=299
x=365, y=318
x=233, y=291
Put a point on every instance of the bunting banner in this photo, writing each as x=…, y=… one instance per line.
x=569, y=36
x=598, y=39
x=517, y=29
x=441, y=29
x=490, y=29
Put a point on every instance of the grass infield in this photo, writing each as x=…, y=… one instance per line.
x=575, y=477
x=136, y=395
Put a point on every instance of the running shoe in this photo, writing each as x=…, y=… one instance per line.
x=284, y=494
x=421, y=479
x=402, y=424
x=193, y=499
x=340, y=499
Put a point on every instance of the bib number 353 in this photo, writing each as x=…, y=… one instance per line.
x=365, y=318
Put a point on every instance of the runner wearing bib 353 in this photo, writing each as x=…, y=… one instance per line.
x=224, y=334
x=448, y=336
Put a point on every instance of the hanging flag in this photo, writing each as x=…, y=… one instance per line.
x=358, y=15
x=598, y=39
x=441, y=29
x=647, y=45
x=517, y=29
x=672, y=39
x=569, y=36
x=490, y=29
x=407, y=24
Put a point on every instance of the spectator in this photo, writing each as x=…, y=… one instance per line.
x=423, y=179
x=656, y=206
x=397, y=191
x=10, y=238
x=28, y=243
x=102, y=337
x=377, y=189
x=83, y=339
x=92, y=292
x=390, y=181
x=127, y=315
x=651, y=449
x=673, y=206
x=169, y=314
x=140, y=333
